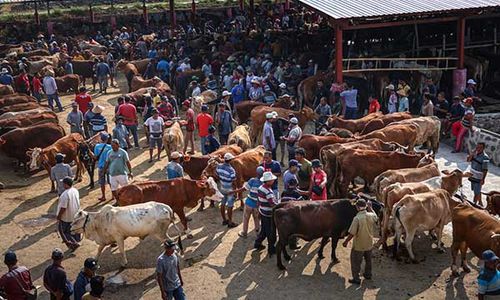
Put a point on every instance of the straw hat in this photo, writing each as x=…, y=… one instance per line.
x=268, y=176
x=98, y=109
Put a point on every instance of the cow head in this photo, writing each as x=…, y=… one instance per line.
x=309, y=114
x=493, y=202
x=35, y=157
x=80, y=222
x=495, y=243
x=452, y=181
x=210, y=169
x=156, y=80
x=426, y=160
x=211, y=191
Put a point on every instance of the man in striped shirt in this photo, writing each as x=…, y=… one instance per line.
x=488, y=280
x=267, y=200
x=227, y=175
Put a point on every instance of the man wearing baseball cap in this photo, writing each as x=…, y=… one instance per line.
x=488, y=281
x=16, y=280
x=361, y=230
x=82, y=281
x=68, y=206
x=58, y=172
x=470, y=89
x=174, y=168
x=55, y=279
x=294, y=135
x=168, y=273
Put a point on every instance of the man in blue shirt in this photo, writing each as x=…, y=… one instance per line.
x=5, y=77
x=102, y=73
x=274, y=167
x=163, y=69
x=227, y=175
x=291, y=173
x=238, y=92
x=174, y=168
x=90, y=266
x=251, y=203
x=488, y=280
x=100, y=155
x=224, y=120
x=351, y=104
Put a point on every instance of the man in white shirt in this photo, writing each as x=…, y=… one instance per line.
x=154, y=127
x=68, y=206
x=50, y=88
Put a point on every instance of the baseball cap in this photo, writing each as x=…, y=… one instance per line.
x=74, y=104
x=489, y=255
x=471, y=81
x=68, y=180
x=91, y=263
x=294, y=163
x=57, y=254
x=186, y=103
x=226, y=93
x=294, y=121
x=269, y=115
x=169, y=244
x=204, y=107
x=59, y=157
x=282, y=86
x=104, y=136
x=316, y=163
x=228, y=156
x=10, y=257
x=175, y=155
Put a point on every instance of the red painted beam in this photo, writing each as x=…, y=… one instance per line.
x=338, y=55
x=461, y=42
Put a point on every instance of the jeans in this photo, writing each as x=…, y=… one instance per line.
x=223, y=138
x=177, y=294
x=69, y=239
x=266, y=232
x=51, y=99
x=357, y=259
x=351, y=113
x=291, y=152
x=38, y=97
x=133, y=130
x=103, y=82
x=203, y=140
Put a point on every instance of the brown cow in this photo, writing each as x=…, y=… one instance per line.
x=13, y=114
x=19, y=107
x=15, y=99
x=313, y=143
x=428, y=132
x=403, y=134
x=475, y=229
x=173, y=139
x=241, y=137
x=126, y=67
x=493, y=202
x=138, y=82
x=140, y=65
x=46, y=157
x=28, y=120
x=384, y=120
x=6, y=89
x=37, y=52
x=194, y=165
x=16, y=142
x=244, y=108
x=68, y=82
x=258, y=116
x=368, y=164
x=352, y=125
x=176, y=193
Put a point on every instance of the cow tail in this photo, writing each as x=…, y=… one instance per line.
x=273, y=226
x=179, y=234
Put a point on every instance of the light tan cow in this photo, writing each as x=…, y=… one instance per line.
x=428, y=131
x=392, y=194
x=422, y=212
x=240, y=137
x=173, y=139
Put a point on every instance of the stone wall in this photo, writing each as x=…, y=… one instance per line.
x=490, y=122
x=491, y=140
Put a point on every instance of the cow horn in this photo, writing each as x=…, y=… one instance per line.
x=495, y=236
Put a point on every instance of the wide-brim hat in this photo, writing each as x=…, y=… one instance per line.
x=97, y=109
x=175, y=155
x=228, y=156
x=390, y=87
x=267, y=176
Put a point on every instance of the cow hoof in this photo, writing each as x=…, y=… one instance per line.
x=454, y=274
x=201, y=208
x=414, y=261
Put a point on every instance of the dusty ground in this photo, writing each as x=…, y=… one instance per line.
x=217, y=263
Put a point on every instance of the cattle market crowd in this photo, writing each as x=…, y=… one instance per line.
x=247, y=120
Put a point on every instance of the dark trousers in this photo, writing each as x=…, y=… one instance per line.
x=223, y=138
x=133, y=130
x=291, y=152
x=357, y=259
x=351, y=113
x=274, y=154
x=69, y=239
x=266, y=232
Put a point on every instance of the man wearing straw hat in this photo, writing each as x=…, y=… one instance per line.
x=50, y=87
x=267, y=200
x=97, y=122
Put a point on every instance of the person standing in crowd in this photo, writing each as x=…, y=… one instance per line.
x=23, y=83
x=361, y=232
x=350, y=96
x=59, y=172
x=267, y=200
x=67, y=207
x=100, y=155
x=75, y=119
x=102, y=73
x=50, y=88
x=323, y=110
x=203, y=121
x=271, y=165
x=97, y=121
x=6, y=78
x=290, y=193
x=68, y=66
x=251, y=203
x=174, y=168
x=305, y=169
x=83, y=99
x=55, y=279
x=212, y=144
x=291, y=173
x=87, y=116
x=488, y=281
x=196, y=88
x=224, y=121
x=96, y=289
x=427, y=106
x=163, y=69
x=465, y=126
x=470, y=89
x=189, y=137
x=17, y=280
x=154, y=126
x=441, y=109
x=168, y=273
x=479, y=168
x=166, y=109
x=121, y=133
x=36, y=83
x=374, y=106
x=455, y=115
x=227, y=175
x=317, y=188
x=268, y=140
x=255, y=93
x=269, y=96
x=403, y=92
x=393, y=99
x=90, y=266
x=320, y=92
x=238, y=91
x=294, y=135
x=117, y=167
x=129, y=113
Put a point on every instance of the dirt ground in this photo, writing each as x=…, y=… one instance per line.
x=217, y=263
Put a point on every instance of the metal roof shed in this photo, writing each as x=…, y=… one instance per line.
x=362, y=14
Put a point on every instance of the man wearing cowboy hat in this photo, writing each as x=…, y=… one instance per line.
x=97, y=122
x=267, y=200
x=50, y=88
x=488, y=281
x=255, y=93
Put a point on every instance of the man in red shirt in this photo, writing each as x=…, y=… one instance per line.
x=374, y=105
x=129, y=114
x=37, y=88
x=203, y=121
x=17, y=280
x=83, y=99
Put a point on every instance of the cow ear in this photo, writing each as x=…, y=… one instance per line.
x=446, y=172
x=201, y=183
x=187, y=157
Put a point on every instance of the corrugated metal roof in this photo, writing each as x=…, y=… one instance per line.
x=348, y=9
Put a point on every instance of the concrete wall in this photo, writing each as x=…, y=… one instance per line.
x=490, y=122
x=491, y=139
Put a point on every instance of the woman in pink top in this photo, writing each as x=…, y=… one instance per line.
x=317, y=188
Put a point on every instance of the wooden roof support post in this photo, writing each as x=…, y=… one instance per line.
x=461, y=42
x=37, y=15
x=173, y=21
x=193, y=10
x=338, y=54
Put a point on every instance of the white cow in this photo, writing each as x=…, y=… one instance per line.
x=114, y=224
